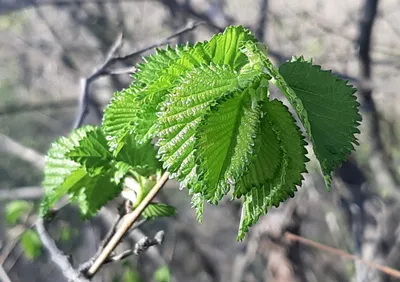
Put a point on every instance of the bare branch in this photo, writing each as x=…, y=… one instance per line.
x=380, y=160
x=3, y=275
x=119, y=257
x=262, y=20
x=29, y=155
x=21, y=193
x=141, y=246
x=112, y=58
x=25, y=108
x=56, y=255
x=25, y=4
x=385, y=269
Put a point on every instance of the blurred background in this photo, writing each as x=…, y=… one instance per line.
x=50, y=51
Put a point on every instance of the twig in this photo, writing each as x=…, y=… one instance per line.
x=141, y=246
x=3, y=275
x=129, y=220
x=21, y=193
x=112, y=58
x=29, y=155
x=26, y=108
x=385, y=269
x=86, y=265
x=16, y=236
x=262, y=20
x=380, y=160
x=119, y=257
x=56, y=255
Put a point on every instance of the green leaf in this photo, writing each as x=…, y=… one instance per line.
x=58, y=168
x=82, y=167
x=155, y=210
x=225, y=143
x=66, y=233
x=155, y=64
x=141, y=157
x=119, y=116
x=92, y=153
x=15, y=209
x=273, y=176
x=208, y=108
x=198, y=205
x=92, y=193
x=328, y=109
x=31, y=244
x=182, y=113
x=130, y=275
x=135, y=110
x=162, y=274
x=325, y=104
x=124, y=114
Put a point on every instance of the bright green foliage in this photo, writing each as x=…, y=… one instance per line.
x=60, y=172
x=277, y=169
x=95, y=172
x=15, y=209
x=162, y=274
x=31, y=244
x=332, y=111
x=225, y=143
x=217, y=130
x=155, y=210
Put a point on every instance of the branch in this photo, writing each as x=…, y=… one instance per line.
x=24, y=108
x=24, y=153
x=385, y=269
x=56, y=255
x=20, y=4
x=21, y=193
x=128, y=221
x=380, y=160
x=262, y=20
x=364, y=44
x=112, y=58
x=141, y=246
x=3, y=275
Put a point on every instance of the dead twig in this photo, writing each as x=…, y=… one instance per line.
x=26, y=108
x=385, y=269
x=60, y=259
x=111, y=59
x=15, y=148
x=3, y=275
x=21, y=193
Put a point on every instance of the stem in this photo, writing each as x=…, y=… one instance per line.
x=385, y=269
x=128, y=221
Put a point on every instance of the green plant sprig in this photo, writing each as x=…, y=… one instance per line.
x=209, y=108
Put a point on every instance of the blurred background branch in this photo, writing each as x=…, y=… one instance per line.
x=48, y=46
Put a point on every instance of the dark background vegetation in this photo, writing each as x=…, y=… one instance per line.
x=48, y=49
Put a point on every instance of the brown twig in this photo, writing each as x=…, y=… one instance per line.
x=385, y=269
x=26, y=108
x=21, y=193
x=128, y=221
x=27, y=154
x=3, y=275
x=56, y=255
x=262, y=20
x=111, y=59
